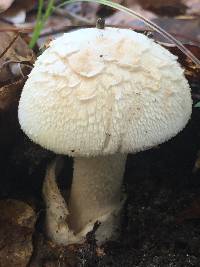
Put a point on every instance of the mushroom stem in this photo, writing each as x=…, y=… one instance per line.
x=95, y=197
x=96, y=194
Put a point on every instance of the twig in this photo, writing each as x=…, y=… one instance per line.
x=18, y=30
x=41, y=19
x=25, y=63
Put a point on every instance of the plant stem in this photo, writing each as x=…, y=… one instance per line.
x=41, y=19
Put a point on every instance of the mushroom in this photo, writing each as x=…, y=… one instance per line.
x=97, y=95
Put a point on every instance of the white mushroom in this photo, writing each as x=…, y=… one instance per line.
x=97, y=95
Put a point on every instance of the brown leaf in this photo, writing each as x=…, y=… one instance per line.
x=17, y=223
x=193, y=6
x=123, y=19
x=11, y=83
x=5, y=4
x=47, y=253
x=10, y=94
x=13, y=49
x=17, y=213
x=19, y=5
x=192, y=71
x=164, y=8
x=184, y=29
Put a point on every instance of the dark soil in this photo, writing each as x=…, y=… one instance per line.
x=161, y=219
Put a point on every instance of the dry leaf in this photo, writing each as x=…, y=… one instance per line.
x=13, y=49
x=5, y=4
x=193, y=6
x=120, y=18
x=184, y=29
x=17, y=223
x=62, y=255
x=10, y=94
x=19, y=5
x=192, y=71
x=164, y=8
x=16, y=13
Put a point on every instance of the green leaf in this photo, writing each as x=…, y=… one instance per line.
x=197, y=105
x=41, y=19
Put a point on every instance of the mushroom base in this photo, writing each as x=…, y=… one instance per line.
x=95, y=196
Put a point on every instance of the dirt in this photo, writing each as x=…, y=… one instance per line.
x=161, y=219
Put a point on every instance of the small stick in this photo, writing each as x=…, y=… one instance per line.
x=100, y=24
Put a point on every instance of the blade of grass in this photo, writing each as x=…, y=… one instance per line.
x=154, y=26
x=41, y=19
x=38, y=22
x=197, y=105
x=49, y=10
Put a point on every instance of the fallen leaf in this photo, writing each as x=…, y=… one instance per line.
x=164, y=8
x=15, y=63
x=192, y=71
x=184, y=29
x=17, y=223
x=86, y=10
x=18, y=5
x=120, y=18
x=5, y=4
x=9, y=97
x=193, y=6
x=13, y=49
x=47, y=253
x=16, y=13
x=10, y=94
x=89, y=10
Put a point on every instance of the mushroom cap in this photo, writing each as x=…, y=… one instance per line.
x=101, y=91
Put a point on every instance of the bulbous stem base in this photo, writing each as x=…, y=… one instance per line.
x=95, y=196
